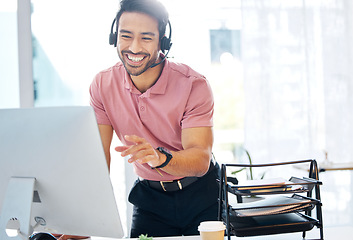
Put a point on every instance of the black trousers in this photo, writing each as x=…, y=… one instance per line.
x=162, y=214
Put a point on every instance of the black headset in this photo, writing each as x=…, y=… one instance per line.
x=166, y=42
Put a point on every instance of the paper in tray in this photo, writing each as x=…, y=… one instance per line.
x=271, y=205
x=266, y=186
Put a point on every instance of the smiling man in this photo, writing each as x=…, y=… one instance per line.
x=162, y=113
x=138, y=48
x=138, y=41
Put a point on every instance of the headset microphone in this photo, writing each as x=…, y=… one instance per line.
x=165, y=56
x=165, y=42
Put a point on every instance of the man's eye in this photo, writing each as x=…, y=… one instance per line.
x=147, y=39
x=125, y=36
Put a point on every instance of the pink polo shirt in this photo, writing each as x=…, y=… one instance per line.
x=181, y=98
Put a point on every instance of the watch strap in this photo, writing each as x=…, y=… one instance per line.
x=167, y=154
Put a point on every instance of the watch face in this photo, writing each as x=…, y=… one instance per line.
x=165, y=152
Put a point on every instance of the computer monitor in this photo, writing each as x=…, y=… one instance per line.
x=53, y=174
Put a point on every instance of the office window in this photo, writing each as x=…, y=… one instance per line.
x=224, y=42
x=70, y=45
x=298, y=88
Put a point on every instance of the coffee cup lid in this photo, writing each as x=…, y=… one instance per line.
x=211, y=226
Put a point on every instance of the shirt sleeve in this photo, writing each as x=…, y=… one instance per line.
x=96, y=101
x=200, y=106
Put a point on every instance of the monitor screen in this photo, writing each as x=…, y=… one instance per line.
x=58, y=149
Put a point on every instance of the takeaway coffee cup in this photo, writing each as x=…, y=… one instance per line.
x=212, y=230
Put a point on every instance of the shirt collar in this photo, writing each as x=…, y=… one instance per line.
x=158, y=88
x=128, y=83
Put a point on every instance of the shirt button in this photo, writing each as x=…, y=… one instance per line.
x=142, y=108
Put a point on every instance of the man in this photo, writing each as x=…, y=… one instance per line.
x=162, y=113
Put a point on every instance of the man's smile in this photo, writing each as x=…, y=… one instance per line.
x=134, y=59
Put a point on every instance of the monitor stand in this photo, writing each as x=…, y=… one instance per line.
x=17, y=206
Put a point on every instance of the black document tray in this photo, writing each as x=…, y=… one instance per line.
x=273, y=224
x=257, y=222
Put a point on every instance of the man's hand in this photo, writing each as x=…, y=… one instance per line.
x=192, y=160
x=141, y=151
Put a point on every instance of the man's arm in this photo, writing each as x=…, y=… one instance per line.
x=193, y=160
x=106, y=133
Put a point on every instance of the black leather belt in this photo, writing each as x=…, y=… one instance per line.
x=175, y=185
x=171, y=186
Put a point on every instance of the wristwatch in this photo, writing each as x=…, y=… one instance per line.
x=167, y=153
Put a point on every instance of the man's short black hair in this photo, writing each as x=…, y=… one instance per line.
x=152, y=8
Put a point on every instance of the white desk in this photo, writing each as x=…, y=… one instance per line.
x=296, y=236
x=329, y=233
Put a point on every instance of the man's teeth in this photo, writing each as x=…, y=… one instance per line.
x=134, y=59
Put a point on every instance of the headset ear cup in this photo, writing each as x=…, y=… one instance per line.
x=165, y=44
x=112, y=39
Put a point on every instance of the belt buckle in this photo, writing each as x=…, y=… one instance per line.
x=163, y=187
x=162, y=184
x=179, y=185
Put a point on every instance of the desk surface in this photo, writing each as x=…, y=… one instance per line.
x=329, y=233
